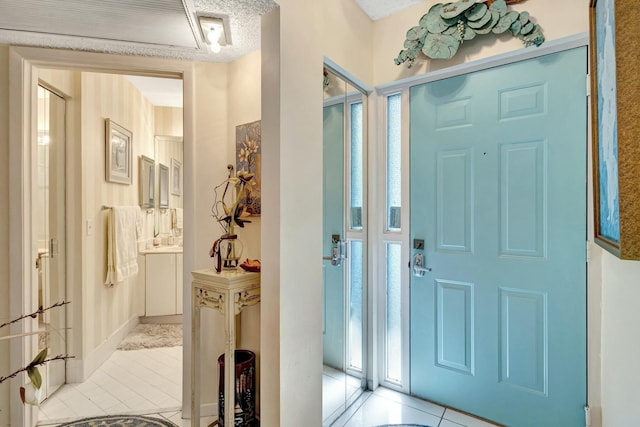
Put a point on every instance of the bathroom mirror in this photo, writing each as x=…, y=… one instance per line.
x=164, y=187
x=147, y=181
x=169, y=151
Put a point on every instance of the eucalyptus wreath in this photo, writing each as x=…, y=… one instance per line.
x=442, y=30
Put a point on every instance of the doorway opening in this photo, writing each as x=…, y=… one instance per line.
x=36, y=64
x=466, y=210
x=110, y=314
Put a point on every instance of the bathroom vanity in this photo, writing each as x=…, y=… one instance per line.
x=163, y=280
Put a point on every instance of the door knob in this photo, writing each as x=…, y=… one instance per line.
x=338, y=251
x=419, y=269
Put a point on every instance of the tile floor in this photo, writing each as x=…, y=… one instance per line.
x=149, y=382
x=130, y=382
x=385, y=406
x=335, y=391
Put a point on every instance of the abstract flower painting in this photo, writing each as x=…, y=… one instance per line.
x=248, y=159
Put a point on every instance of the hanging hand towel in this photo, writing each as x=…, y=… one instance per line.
x=122, y=246
x=179, y=218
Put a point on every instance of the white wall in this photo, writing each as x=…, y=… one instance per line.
x=244, y=106
x=228, y=95
x=347, y=38
x=292, y=219
x=291, y=278
x=211, y=151
x=211, y=157
x=270, y=231
x=620, y=342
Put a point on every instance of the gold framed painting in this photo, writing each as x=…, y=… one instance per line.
x=249, y=159
x=176, y=177
x=615, y=118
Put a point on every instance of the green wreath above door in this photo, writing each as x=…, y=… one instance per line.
x=445, y=27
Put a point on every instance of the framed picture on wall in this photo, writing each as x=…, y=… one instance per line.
x=615, y=113
x=163, y=186
x=249, y=159
x=118, y=153
x=176, y=177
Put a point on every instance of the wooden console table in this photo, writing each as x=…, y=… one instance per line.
x=229, y=292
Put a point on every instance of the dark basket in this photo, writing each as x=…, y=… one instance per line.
x=245, y=395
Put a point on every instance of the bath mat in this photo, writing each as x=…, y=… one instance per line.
x=402, y=425
x=152, y=335
x=120, y=421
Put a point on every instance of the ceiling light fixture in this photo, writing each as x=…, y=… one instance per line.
x=213, y=32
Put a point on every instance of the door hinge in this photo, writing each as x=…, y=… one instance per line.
x=588, y=84
x=587, y=416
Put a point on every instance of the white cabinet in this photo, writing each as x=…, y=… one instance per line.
x=163, y=284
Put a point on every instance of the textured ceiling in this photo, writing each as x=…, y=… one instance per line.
x=164, y=28
x=244, y=20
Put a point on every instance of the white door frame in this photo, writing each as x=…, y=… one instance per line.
x=380, y=236
x=23, y=109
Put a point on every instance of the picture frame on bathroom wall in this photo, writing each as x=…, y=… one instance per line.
x=614, y=111
x=164, y=186
x=176, y=177
x=147, y=177
x=118, y=153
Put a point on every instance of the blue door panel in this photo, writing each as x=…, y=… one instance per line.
x=498, y=193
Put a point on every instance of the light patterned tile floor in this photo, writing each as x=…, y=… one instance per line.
x=385, y=406
x=130, y=382
x=149, y=382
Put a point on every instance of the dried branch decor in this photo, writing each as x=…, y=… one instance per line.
x=32, y=393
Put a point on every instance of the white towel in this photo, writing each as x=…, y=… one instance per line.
x=179, y=218
x=122, y=248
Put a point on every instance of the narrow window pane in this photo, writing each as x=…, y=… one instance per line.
x=355, y=305
x=394, y=182
x=393, y=340
x=356, y=166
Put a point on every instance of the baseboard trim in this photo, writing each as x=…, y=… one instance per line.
x=78, y=370
x=206, y=410
x=209, y=409
x=172, y=319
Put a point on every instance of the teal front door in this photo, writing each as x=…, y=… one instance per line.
x=498, y=195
